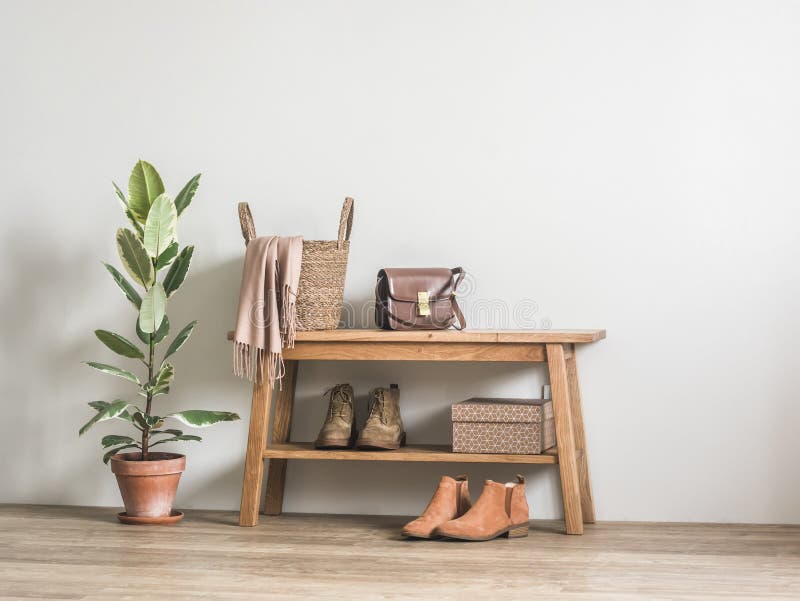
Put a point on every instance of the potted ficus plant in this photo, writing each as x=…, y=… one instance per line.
x=149, y=479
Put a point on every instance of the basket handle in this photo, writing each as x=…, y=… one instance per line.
x=345, y=222
x=246, y=221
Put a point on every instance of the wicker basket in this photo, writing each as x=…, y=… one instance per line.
x=321, y=292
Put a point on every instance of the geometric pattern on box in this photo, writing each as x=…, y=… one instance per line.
x=509, y=426
x=481, y=409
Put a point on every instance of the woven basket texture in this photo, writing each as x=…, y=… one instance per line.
x=321, y=291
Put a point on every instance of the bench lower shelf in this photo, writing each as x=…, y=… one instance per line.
x=306, y=450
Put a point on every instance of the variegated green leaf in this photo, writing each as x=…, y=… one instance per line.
x=162, y=332
x=119, y=344
x=199, y=418
x=125, y=285
x=182, y=437
x=177, y=271
x=134, y=257
x=159, y=230
x=144, y=186
x=148, y=422
x=126, y=208
x=140, y=421
x=184, y=197
x=154, y=306
x=154, y=421
x=100, y=405
x=121, y=196
x=179, y=340
x=110, y=412
x=109, y=454
x=163, y=378
x=166, y=257
x=137, y=227
x=115, y=439
x=169, y=431
x=114, y=371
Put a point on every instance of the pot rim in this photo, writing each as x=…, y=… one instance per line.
x=130, y=464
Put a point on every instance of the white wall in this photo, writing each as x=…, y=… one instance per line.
x=627, y=165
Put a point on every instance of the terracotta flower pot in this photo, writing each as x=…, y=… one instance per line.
x=148, y=487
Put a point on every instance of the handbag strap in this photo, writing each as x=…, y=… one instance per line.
x=459, y=274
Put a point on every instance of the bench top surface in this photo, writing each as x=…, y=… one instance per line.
x=487, y=336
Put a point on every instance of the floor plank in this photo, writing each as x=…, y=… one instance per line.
x=83, y=553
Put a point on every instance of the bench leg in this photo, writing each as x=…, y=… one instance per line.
x=282, y=424
x=587, y=501
x=254, y=460
x=567, y=455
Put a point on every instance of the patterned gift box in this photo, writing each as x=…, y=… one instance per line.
x=512, y=426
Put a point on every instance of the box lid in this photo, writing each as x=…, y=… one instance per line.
x=481, y=409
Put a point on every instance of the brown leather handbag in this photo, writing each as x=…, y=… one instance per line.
x=418, y=299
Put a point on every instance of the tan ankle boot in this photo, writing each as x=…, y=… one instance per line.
x=339, y=429
x=450, y=501
x=384, y=427
x=501, y=509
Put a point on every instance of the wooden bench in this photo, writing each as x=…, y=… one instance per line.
x=556, y=347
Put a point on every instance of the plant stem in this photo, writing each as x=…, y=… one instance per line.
x=146, y=431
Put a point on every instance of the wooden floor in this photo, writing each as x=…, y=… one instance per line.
x=83, y=553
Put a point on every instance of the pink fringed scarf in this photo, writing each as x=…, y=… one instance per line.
x=266, y=319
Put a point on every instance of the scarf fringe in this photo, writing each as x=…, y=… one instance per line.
x=270, y=279
x=249, y=362
x=289, y=314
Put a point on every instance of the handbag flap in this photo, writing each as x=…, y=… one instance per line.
x=405, y=282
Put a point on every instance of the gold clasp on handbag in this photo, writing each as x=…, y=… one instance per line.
x=423, y=304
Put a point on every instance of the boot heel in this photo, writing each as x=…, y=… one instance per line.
x=403, y=440
x=518, y=531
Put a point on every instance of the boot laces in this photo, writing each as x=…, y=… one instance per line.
x=339, y=401
x=377, y=408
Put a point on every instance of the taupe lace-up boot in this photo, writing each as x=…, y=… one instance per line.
x=339, y=430
x=384, y=427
